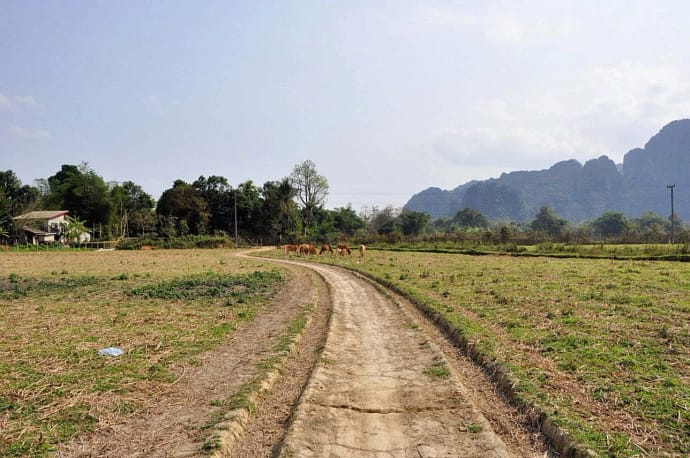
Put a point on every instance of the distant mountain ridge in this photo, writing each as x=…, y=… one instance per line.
x=579, y=192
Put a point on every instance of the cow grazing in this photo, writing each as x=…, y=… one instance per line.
x=307, y=248
x=326, y=248
x=287, y=249
x=342, y=249
x=362, y=249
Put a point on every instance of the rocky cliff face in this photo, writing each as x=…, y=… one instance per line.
x=578, y=192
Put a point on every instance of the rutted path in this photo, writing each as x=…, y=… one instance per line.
x=384, y=388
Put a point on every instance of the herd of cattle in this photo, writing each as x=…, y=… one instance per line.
x=308, y=248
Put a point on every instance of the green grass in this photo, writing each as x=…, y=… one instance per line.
x=601, y=345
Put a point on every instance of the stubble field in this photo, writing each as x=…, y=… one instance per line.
x=59, y=308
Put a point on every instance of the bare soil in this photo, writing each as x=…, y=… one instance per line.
x=370, y=377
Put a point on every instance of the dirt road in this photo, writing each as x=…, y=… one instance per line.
x=384, y=387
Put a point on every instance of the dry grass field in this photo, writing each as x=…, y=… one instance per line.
x=58, y=309
x=601, y=346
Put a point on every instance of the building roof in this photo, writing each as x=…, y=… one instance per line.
x=46, y=214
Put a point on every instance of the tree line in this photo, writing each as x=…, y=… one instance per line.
x=285, y=211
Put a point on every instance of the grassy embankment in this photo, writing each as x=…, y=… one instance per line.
x=59, y=308
x=601, y=346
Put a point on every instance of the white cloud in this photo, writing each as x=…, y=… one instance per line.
x=504, y=30
x=11, y=102
x=30, y=134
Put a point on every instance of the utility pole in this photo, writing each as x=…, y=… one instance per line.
x=673, y=216
x=235, y=212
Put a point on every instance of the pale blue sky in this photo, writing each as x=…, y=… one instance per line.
x=386, y=97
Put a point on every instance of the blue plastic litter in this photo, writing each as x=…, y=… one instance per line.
x=111, y=351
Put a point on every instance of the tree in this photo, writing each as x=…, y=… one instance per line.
x=74, y=229
x=280, y=210
x=346, y=221
x=413, y=223
x=547, y=222
x=610, y=224
x=81, y=191
x=651, y=227
x=219, y=196
x=186, y=204
x=132, y=209
x=312, y=190
x=249, y=206
x=20, y=198
x=470, y=218
x=381, y=221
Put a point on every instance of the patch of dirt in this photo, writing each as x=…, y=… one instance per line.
x=170, y=424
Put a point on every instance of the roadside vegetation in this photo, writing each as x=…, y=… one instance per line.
x=601, y=346
x=163, y=309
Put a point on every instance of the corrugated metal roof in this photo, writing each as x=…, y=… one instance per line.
x=45, y=214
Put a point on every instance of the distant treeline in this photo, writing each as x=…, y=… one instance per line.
x=211, y=212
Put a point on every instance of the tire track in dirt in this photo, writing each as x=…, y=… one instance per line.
x=384, y=388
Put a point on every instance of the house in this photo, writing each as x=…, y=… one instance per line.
x=41, y=226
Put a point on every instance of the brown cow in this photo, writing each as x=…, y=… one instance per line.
x=342, y=249
x=287, y=249
x=326, y=248
x=307, y=248
x=362, y=249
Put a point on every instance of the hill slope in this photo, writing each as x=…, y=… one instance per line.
x=578, y=192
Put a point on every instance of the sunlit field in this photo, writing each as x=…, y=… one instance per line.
x=600, y=345
x=58, y=309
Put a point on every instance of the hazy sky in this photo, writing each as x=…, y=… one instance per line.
x=387, y=98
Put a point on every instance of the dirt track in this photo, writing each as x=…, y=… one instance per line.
x=384, y=387
x=380, y=381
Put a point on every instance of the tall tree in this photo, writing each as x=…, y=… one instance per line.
x=20, y=198
x=413, y=223
x=547, y=222
x=81, y=191
x=186, y=205
x=470, y=218
x=220, y=198
x=346, y=221
x=610, y=224
x=312, y=190
x=133, y=209
x=280, y=210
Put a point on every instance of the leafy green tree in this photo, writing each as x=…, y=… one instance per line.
x=249, y=210
x=547, y=222
x=470, y=218
x=133, y=209
x=280, y=210
x=610, y=224
x=82, y=192
x=381, y=221
x=220, y=198
x=651, y=227
x=346, y=221
x=22, y=198
x=186, y=205
x=312, y=190
x=413, y=223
